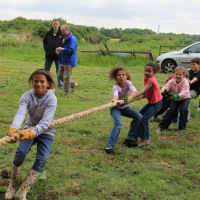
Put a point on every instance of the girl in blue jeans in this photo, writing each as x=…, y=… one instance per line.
x=41, y=104
x=152, y=92
x=121, y=90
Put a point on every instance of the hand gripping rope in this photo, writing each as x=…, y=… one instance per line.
x=8, y=139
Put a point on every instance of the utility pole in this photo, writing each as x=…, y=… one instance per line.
x=158, y=28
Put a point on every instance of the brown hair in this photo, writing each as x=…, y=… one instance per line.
x=113, y=73
x=179, y=68
x=48, y=76
x=187, y=74
x=55, y=20
x=154, y=65
x=196, y=60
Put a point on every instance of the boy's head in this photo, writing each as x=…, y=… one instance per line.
x=195, y=64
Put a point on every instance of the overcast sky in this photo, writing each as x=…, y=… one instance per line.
x=176, y=16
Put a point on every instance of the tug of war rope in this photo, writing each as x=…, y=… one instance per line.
x=9, y=139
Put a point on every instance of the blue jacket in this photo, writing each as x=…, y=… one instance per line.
x=69, y=55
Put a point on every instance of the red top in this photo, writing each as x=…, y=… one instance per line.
x=153, y=93
x=169, y=78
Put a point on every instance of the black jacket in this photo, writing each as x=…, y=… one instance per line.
x=50, y=42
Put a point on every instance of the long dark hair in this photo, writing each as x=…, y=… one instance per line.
x=48, y=76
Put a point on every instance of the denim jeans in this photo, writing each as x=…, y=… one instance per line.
x=165, y=106
x=175, y=106
x=148, y=111
x=47, y=66
x=116, y=114
x=44, y=145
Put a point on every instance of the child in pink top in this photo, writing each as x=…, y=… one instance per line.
x=179, y=88
x=152, y=92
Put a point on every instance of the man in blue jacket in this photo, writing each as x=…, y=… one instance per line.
x=52, y=40
x=68, y=59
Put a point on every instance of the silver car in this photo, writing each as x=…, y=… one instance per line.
x=169, y=61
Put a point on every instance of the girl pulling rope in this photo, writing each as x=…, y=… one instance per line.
x=41, y=104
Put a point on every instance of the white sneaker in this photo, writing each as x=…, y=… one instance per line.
x=75, y=86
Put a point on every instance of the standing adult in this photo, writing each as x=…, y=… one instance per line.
x=68, y=59
x=51, y=41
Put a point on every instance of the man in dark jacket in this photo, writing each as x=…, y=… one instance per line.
x=51, y=41
x=68, y=59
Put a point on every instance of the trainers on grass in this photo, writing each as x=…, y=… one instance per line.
x=109, y=151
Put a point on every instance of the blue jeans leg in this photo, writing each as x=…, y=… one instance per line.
x=135, y=124
x=44, y=145
x=116, y=116
x=147, y=112
x=22, y=151
x=57, y=63
x=47, y=66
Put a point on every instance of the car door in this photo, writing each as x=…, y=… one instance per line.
x=188, y=54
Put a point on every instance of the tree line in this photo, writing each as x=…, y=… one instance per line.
x=90, y=34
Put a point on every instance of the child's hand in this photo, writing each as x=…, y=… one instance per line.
x=129, y=99
x=26, y=134
x=119, y=102
x=11, y=131
x=165, y=94
x=174, y=96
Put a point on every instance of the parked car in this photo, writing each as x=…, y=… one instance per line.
x=169, y=61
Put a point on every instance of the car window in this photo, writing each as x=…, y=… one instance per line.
x=194, y=49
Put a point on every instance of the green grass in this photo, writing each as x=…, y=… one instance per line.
x=78, y=168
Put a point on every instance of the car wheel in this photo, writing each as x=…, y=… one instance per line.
x=169, y=66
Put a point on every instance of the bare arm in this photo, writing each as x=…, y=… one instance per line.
x=193, y=80
x=142, y=92
x=115, y=98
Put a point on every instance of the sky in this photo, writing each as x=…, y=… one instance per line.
x=160, y=16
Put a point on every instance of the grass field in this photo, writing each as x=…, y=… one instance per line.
x=78, y=168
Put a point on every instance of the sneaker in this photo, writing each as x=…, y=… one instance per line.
x=73, y=88
x=158, y=130
x=145, y=142
x=109, y=151
x=66, y=93
x=198, y=109
x=130, y=143
x=153, y=118
x=175, y=121
x=60, y=87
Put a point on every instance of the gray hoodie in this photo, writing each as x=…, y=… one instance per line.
x=40, y=112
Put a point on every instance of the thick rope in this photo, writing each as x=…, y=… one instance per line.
x=8, y=139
